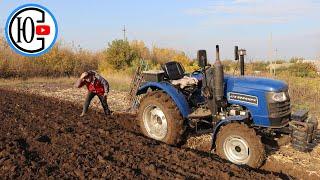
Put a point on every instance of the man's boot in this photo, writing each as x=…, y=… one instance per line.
x=107, y=112
x=82, y=114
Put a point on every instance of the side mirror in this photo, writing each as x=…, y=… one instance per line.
x=202, y=58
x=236, y=53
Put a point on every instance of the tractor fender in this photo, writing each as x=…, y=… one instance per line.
x=224, y=122
x=178, y=98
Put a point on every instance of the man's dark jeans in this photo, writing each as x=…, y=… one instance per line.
x=103, y=100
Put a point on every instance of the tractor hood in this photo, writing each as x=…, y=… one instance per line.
x=258, y=83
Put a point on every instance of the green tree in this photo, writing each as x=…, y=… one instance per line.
x=140, y=48
x=119, y=54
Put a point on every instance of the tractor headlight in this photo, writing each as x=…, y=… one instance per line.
x=279, y=97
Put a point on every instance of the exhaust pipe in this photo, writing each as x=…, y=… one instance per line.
x=236, y=53
x=219, y=75
x=242, y=53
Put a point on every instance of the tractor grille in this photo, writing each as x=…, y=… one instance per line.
x=279, y=113
x=279, y=109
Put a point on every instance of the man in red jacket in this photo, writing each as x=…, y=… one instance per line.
x=96, y=85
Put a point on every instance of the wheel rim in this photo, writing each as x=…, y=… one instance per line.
x=236, y=149
x=155, y=122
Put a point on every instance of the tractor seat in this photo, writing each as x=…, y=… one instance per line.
x=175, y=72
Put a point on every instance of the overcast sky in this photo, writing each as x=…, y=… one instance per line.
x=189, y=25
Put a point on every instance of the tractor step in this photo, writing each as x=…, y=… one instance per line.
x=200, y=113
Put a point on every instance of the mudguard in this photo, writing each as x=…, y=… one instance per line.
x=228, y=120
x=175, y=95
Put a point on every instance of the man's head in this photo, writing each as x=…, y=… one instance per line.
x=88, y=76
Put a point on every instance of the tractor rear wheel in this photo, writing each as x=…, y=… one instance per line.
x=240, y=144
x=160, y=119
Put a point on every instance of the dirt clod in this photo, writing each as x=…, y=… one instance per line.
x=44, y=139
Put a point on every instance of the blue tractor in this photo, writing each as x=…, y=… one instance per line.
x=239, y=111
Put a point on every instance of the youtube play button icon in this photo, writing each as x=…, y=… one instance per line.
x=42, y=30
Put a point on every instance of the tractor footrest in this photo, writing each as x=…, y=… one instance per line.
x=200, y=113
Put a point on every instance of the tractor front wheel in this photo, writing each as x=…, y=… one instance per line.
x=160, y=119
x=240, y=145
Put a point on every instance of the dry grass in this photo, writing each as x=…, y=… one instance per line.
x=38, y=80
x=117, y=81
x=304, y=93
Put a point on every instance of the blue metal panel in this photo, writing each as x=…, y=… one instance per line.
x=258, y=112
x=254, y=86
x=176, y=95
x=259, y=83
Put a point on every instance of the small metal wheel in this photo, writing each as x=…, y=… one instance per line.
x=236, y=149
x=240, y=144
x=155, y=122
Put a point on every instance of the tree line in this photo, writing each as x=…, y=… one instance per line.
x=119, y=55
x=64, y=60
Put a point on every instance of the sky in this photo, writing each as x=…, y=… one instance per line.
x=277, y=29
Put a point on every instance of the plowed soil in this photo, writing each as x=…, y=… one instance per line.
x=43, y=137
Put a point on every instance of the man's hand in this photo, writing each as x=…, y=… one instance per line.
x=83, y=75
x=80, y=81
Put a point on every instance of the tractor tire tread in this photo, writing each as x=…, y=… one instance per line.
x=178, y=129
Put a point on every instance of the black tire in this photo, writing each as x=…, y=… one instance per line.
x=256, y=149
x=175, y=121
